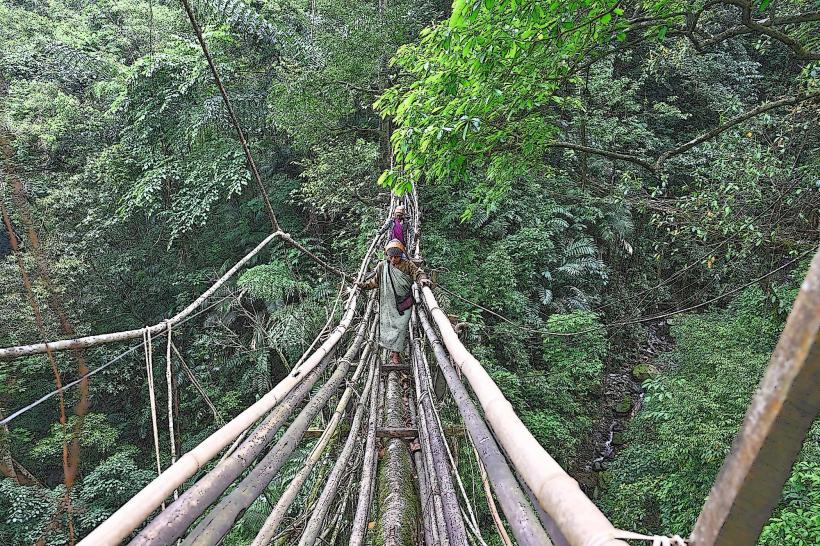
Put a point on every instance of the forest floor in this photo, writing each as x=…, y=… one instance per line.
x=621, y=401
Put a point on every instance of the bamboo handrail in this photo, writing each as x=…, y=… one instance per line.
x=578, y=519
x=122, y=522
x=524, y=523
x=10, y=353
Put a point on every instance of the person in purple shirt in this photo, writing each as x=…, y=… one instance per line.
x=397, y=227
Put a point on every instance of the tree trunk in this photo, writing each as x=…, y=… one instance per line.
x=397, y=495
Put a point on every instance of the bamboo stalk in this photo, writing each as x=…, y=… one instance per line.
x=313, y=526
x=428, y=468
x=428, y=522
x=100, y=339
x=173, y=522
x=219, y=521
x=136, y=510
x=435, y=443
x=578, y=519
x=274, y=519
x=360, y=518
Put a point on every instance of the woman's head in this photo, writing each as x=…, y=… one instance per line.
x=399, y=212
x=394, y=251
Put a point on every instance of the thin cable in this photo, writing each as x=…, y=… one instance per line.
x=149, y=370
x=629, y=321
x=101, y=368
x=169, y=378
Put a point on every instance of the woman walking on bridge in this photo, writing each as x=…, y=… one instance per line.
x=397, y=227
x=394, y=277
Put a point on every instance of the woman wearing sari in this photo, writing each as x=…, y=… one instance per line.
x=394, y=277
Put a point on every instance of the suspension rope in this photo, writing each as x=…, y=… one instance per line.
x=169, y=378
x=232, y=115
x=114, y=360
x=149, y=368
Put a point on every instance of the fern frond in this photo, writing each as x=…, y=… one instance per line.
x=582, y=246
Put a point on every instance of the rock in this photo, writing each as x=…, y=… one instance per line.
x=597, y=466
x=624, y=406
x=618, y=439
x=643, y=371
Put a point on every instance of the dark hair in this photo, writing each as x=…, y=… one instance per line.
x=394, y=251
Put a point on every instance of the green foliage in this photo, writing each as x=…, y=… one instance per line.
x=659, y=481
x=110, y=485
x=797, y=522
x=272, y=282
x=97, y=436
x=24, y=512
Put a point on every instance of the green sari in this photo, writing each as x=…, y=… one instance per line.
x=392, y=323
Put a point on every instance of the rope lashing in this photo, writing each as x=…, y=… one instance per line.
x=657, y=540
x=149, y=369
x=169, y=383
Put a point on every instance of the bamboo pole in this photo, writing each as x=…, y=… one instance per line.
x=323, y=504
x=274, y=519
x=172, y=523
x=100, y=339
x=136, y=510
x=523, y=522
x=360, y=519
x=435, y=443
x=218, y=522
x=428, y=521
x=428, y=468
x=575, y=515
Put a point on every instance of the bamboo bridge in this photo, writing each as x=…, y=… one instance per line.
x=393, y=479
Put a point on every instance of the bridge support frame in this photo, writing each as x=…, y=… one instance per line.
x=750, y=482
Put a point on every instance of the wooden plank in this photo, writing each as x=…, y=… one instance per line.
x=750, y=482
x=405, y=433
x=387, y=368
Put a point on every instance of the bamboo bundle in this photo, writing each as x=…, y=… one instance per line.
x=578, y=519
x=523, y=522
x=334, y=480
x=175, y=520
x=274, y=519
x=433, y=441
x=219, y=521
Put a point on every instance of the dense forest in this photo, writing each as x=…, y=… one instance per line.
x=619, y=201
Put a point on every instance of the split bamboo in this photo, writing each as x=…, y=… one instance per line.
x=578, y=519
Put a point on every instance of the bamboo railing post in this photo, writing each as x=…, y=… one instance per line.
x=786, y=403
